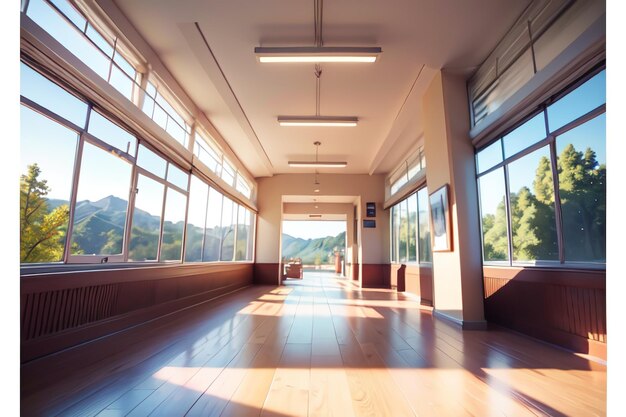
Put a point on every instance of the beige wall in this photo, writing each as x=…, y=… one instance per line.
x=457, y=274
x=365, y=188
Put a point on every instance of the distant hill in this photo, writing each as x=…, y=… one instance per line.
x=309, y=249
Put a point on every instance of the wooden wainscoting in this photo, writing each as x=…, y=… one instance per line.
x=65, y=309
x=414, y=279
x=266, y=273
x=564, y=307
x=376, y=276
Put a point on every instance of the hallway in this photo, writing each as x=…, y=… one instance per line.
x=319, y=346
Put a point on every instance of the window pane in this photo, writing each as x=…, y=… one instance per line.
x=532, y=207
x=402, y=241
x=212, y=235
x=525, y=135
x=493, y=216
x=150, y=161
x=174, y=223
x=229, y=217
x=208, y=157
x=70, y=12
x=170, y=110
x=579, y=102
x=148, y=106
x=159, y=116
x=124, y=64
x=250, y=253
x=99, y=41
x=121, y=82
x=412, y=218
x=144, y=237
x=582, y=189
x=68, y=36
x=47, y=152
x=395, y=229
x=489, y=156
x=101, y=204
x=243, y=226
x=177, y=176
x=424, y=226
x=111, y=133
x=196, y=217
x=228, y=172
x=49, y=95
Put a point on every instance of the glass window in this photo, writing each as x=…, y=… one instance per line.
x=52, y=22
x=150, y=161
x=250, y=253
x=424, y=226
x=177, y=176
x=70, y=12
x=493, y=216
x=196, y=217
x=579, y=102
x=582, y=190
x=111, y=133
x=44, y=92
x=242, y=186
x=403, y=232
x=228, y=172
x=121, y=82
x=412, y=227
x=173, y=225
x=47, y=153
x=212, y=234
x=146, y=227
x=525, y=135
x=243, y=230
x=101, y=204
x=395, y=230
x=229, y=219
x=100, y=42
x=532, y=208
x=489, y=156
x=124, y=64
x=208, y=156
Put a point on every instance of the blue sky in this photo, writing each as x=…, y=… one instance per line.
x=313, y=229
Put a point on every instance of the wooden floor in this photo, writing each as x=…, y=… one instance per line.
x=315, y=347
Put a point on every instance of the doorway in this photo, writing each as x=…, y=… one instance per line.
x=313, y=247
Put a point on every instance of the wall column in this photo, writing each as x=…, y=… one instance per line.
x=457, y=275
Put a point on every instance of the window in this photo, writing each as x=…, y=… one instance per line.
x=410, y=229
x=243, y=229
x=425, y=251
x=47, y=153
x=229, y=220
x=146, y=227
x=545, y=228
x=163, y=113
x=102, y=128
x=99, y=50
x=205, y=150
x=173, y=225
x=409, y=169
x=196, y=219
x=228, y=172
x=212, y=233
x=494, y=220
x=101, y=204
x=582, y=189
x=242, y=186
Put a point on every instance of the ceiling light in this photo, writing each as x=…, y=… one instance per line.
x=317, y=121
x=318, y=164
x=317, y=54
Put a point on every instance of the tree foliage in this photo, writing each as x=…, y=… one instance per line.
x=42, y=232
x=582, y=190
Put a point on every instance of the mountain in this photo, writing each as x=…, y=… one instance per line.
x=310, y=249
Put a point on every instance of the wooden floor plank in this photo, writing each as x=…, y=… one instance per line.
x=319, y=346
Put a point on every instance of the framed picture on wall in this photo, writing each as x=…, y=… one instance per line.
x=440, y=220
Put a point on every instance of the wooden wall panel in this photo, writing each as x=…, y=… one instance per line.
x=564, y=307
x=56, y=316
x=266, y=273
x=376, y=276
x=416, y=279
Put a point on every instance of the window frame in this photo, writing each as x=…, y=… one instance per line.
x=550, y=142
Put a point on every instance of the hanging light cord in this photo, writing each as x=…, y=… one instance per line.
x=318, y=8
x=318, y=88
x=317, y=147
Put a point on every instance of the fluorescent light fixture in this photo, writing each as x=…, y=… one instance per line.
x=319, y=164
x=318, y=121
x=317, y=54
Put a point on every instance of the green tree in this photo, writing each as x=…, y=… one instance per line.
x=42, y=233
x=582, y=189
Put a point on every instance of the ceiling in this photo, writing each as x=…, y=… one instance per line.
x=208, y=47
